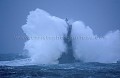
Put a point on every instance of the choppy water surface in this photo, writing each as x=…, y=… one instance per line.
x=76, y=70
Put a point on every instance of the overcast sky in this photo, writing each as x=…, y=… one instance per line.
x=101, y=15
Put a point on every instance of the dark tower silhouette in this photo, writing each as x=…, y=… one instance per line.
x=67, y=57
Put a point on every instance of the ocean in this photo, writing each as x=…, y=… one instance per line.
x=13, y=69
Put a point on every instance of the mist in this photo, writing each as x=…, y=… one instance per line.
x=89, y=47
x=41, y=24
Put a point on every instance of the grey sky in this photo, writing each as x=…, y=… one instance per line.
x=101, y=15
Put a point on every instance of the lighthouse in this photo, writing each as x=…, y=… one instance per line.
x=68, y=56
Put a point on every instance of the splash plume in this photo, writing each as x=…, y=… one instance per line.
x=42, y=24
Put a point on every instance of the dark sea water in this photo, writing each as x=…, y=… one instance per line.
x=74, y=70
x=77, y=70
